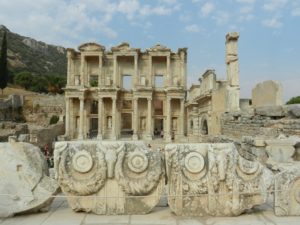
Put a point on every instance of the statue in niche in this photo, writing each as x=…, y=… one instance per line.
x=143, y=123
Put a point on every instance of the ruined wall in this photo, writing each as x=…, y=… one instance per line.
x=265, y=121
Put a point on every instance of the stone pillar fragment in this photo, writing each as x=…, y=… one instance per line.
x=182, y=117
x=233, y=88
x=169, y=79
x=115, y=64
x=135, y=70
x=67, y=117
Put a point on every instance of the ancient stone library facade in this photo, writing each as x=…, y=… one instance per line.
x=125, y=92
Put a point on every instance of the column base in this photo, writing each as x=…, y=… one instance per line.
x=168, y=138
x=148, y=137
x=80, y=137
x=135, y=137
x=113, y=137
x=99, y=137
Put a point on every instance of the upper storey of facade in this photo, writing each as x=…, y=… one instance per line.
x=126, y=68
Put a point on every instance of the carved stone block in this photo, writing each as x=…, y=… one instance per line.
x=213, y=179
x=109, y=177
x=287, y=190
x=24, y=182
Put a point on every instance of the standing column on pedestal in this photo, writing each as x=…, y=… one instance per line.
x=149, y=119
x=168, y=123
x=81, y=119
x=115, y=71
x=182, y=117
x=135, y=119
x=100, y=113
x=67, y=118
x=113, y=130
x=169, y=72
x=69, y=55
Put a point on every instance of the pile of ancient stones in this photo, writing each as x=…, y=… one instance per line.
x=110, y=178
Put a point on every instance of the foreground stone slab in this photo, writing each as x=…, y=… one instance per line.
x=287, y=190
x=25, y=185
x=213, y=179
x=109, y=177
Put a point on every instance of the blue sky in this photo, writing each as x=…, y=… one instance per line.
x=269, y=45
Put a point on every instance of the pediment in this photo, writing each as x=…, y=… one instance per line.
x=124, y=46
x=159, y=47
x=91, y=46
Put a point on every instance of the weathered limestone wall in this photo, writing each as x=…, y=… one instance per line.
x=11, y=108
x=265, y=121
x=267, y=93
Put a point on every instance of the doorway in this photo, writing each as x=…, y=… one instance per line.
x=158, y=127
x=126, y=125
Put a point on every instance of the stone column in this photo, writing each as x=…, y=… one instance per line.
x=136, y=78
x=135, y=119
x=100, y=115
x=82, y=69
x=100, y=71
x=233, y=87
x=81, y=119
x=114, y=111
x=149, y=119
x=167, y=132
x=115, y=71
x=182, y=117
x=67, y=117
x=169, y=72
x=150, y=71
x=69, y=74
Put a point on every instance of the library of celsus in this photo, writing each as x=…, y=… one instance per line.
x=125, y=92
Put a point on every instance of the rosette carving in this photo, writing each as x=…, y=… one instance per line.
x=82, y=171
x=138, y=171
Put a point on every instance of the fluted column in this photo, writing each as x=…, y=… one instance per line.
x=100, y=71
x=168, y=71
x=113, y=129
x=100, y=114
x=182, y=117
x=135, y=119
x=168, y=122
x=135, y=70
x=149, y=119
x=82, y=69
x=115, y=63
x=81, y=119
x=150, y=71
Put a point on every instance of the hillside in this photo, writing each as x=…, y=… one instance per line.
x=27, y=54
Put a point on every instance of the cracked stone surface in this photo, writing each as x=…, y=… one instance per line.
x=24, y=182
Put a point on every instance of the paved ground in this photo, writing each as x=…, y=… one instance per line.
x=61, y=214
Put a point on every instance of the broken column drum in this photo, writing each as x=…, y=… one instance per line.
x=213, y=179
x=109, y=177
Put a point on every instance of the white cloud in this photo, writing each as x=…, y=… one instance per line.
x=246, y=9
x=207, y=8
x=296, y=12
x=246, y=1
x=272, y=23
x=221, y=17
x=273, y=5
x=193, y=28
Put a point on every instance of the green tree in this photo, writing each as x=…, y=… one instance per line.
x=3, y=64
x=24, y=79
x=294, y=100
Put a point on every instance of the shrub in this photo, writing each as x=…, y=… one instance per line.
x=54, y=119
x=294, y=100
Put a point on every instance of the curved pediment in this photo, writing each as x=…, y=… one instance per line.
x=123, y=47
x=159, y=48
x=91, y=46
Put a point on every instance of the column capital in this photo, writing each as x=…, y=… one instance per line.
x=114, y=98
x=149, y=98
x=81, y=98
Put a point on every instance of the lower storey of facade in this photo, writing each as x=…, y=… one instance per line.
x=125, y=115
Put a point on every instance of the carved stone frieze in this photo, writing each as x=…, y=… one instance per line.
x=109, y=177
x=213, y=179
